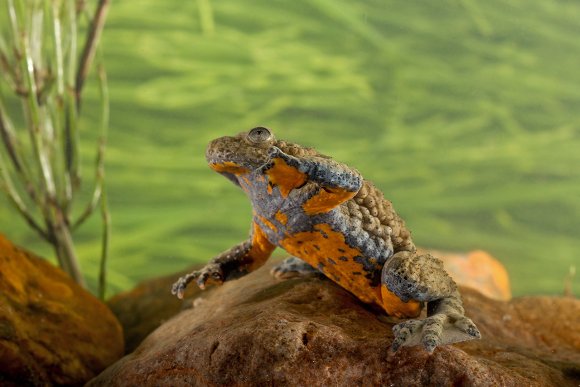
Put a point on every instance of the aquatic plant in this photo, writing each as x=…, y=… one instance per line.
x=47, y=50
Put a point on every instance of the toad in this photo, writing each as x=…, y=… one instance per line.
x=333, y=221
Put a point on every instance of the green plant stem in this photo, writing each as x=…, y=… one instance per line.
x=106, y=231
x=90, y=47
x=8, y=187
x=34, y=124
x=44, y=70
x=64, y=248
x=100, y=167
x=19, y=164
x=70, y=137
x=57, y=105
x=9, y=140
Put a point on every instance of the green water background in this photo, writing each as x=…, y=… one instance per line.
x=465, y=113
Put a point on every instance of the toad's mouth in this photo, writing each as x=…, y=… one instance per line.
x=229, y=167
x=234, y=155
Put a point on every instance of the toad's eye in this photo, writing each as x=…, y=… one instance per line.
x=259, y=135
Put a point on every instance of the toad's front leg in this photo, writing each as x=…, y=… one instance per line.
x=233, y=263
x=422, y=278
x=331, y=183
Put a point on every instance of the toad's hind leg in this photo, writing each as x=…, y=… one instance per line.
x=292, y=267
x=422, y=278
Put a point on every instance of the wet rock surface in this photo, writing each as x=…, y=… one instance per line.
x=309, y=331
x=52, y=332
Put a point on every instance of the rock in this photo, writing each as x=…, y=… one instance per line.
x=309, y=331
x=478, y=270
x=51, y=330
x=144, y=308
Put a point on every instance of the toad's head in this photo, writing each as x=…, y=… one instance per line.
x=242, y=153
x=246, y=152
x=239, y=155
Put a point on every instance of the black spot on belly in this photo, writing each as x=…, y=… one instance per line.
x=356, y=273
x=372, y=272
x=342, y=250
x=343, y=258
x=316, y=247
x=367, y=266
x=331, y=260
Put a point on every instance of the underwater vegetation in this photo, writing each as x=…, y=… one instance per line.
x=464, y=114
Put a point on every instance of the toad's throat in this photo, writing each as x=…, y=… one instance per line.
x=229, y=167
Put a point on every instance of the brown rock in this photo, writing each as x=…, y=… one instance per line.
x=309, y=331
x=142, y=309
x=51, y=330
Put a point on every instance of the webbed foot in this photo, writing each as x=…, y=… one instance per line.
x=422, y=278
x=292, y=267
x=438, y=329
x=210, y=273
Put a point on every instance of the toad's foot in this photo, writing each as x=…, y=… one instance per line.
x=233, y=263
x=422, y=278
x=435, y=330
x=292, y=267
x=211, y=272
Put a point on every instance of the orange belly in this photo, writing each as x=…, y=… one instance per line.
x=327, y=250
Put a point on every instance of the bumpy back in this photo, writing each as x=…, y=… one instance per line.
x=377, y=214
x=297, y=150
